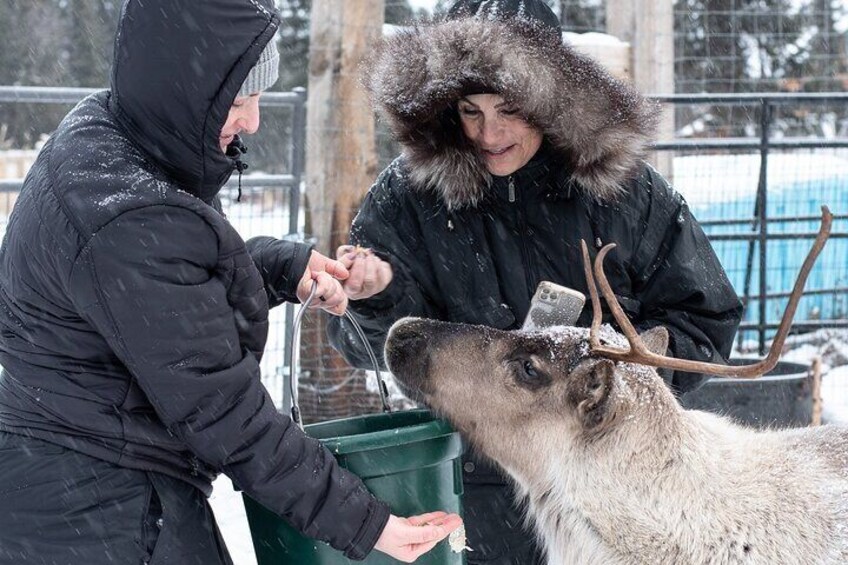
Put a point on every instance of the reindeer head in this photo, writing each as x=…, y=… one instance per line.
x=509, y=390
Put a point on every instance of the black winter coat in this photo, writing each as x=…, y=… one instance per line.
x=482, y=265
x=132, y=314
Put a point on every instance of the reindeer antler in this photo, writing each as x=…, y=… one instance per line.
x=638, y=353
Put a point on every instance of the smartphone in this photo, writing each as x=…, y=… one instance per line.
x=553, y=305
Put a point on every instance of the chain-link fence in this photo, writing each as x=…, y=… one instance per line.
x=743, y=45
x=759, y=194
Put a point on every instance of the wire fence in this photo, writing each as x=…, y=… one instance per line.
x=743, y=45
x=759, y=198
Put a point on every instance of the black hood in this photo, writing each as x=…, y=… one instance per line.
x=178, y=67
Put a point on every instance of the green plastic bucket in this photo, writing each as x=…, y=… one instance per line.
x=409, y=459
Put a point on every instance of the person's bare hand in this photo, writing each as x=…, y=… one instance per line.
x=327, y=273
x=369, y=275
x=406, y=539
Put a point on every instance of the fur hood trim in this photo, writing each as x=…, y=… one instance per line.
x=600, y=125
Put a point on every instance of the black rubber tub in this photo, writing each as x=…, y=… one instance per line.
x=781, y=398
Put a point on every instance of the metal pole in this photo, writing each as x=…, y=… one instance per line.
x=765, y=126
x=749, y=267
x=298, y=158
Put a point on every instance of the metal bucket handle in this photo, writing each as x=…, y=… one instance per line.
x=381, y=384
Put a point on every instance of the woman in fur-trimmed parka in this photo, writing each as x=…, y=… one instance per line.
x=514, y=149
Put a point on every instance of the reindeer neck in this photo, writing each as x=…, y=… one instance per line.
x=577, y=488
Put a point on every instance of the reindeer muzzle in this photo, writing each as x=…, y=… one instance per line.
x=408, y=355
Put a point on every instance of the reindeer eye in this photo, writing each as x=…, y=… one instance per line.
x=526, y=373
x=528, y=376
x=529, y=370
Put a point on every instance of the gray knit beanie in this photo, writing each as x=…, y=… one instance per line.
x=264, y=74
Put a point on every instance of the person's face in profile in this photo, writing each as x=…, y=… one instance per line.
x=504, y=139
x=242, y=118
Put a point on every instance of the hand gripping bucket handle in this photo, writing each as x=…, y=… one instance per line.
x=298, y=319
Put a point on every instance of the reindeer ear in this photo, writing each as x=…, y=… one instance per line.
x=655, y=339
x=590, y=392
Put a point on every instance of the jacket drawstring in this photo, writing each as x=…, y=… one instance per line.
x=235, y=150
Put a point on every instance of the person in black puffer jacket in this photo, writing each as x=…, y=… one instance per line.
x=516, y=148
x=134, y=317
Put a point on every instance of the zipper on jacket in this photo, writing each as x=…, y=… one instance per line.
x=530, y=275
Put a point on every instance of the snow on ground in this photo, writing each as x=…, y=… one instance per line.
x=831, y=346
x=835, y=396
x=232, y=520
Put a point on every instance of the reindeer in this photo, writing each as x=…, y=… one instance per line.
x=614, y=471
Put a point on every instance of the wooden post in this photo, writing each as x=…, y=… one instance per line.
x=341, y=164
x=817, y=398
x=341, y=155
x=648, y=26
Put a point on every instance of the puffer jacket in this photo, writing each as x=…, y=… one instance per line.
x=132, y=315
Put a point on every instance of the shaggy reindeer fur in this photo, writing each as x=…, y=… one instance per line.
x=600, y=125
x=614, y=470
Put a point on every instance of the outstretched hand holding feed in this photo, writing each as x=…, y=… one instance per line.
x=406, y=539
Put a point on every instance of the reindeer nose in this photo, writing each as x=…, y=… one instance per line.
x=407, y=353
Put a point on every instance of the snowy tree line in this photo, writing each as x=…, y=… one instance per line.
x=51, y=43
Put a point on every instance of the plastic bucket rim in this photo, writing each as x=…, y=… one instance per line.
x=390, y=437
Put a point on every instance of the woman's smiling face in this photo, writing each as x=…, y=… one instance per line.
x=504, y=139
